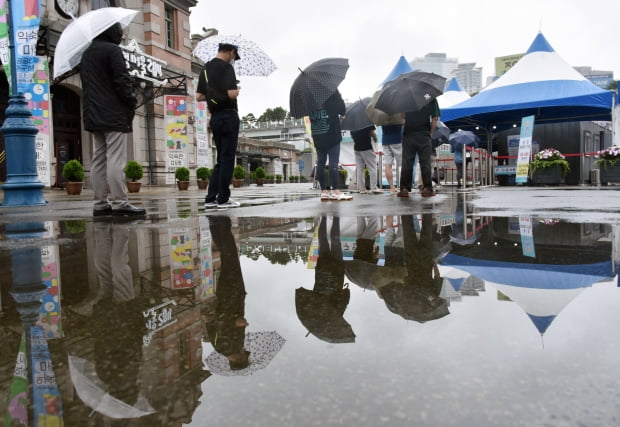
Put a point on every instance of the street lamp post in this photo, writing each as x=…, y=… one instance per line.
x=22, y=186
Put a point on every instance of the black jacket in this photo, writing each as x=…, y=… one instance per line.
x=109, y=101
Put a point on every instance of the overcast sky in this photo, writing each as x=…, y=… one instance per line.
x=373, y=35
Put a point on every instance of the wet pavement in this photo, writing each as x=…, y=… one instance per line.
x=486, y=307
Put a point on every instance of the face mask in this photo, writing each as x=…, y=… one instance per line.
x=232, y=61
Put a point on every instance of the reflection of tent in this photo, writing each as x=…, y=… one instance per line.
x=402, y=66
x=541, y=290
x=453, y=94
x=542, y=84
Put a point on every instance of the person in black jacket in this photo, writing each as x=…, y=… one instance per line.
x=108, y=111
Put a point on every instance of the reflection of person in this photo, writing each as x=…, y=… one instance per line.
x=227, y=330
x=217, y=84
x=365, y=157
x=108, y=110
x=321, y=309
x=419, y=126
x=392, y=151
x=326, y=134
x=417, y=297
x=367, y=232
x=118, y=319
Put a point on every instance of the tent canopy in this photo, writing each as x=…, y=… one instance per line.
x=402, y=66
x=542, y=84
x=453, y=94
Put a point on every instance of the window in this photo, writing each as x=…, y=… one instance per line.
x=98, y=4
x=170, y=30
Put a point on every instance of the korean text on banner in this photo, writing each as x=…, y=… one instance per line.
x=525, y=149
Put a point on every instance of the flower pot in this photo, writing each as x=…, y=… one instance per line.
x=182, y=185
x=260, y=181
x=548, y=176
x=133, y=186
x=202, y=184
x=73, y=188
x=610, y=174
x=237, y=182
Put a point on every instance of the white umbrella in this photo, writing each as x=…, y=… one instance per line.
x=78, y=35
x=254, y=61
x=263, y=346
x=92, y=392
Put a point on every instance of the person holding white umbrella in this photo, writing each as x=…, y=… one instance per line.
x=108, y=112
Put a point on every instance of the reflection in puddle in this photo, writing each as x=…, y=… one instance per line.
x=399, y=320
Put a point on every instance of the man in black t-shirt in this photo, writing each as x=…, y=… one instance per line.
x=419, y=126
x=217, y=84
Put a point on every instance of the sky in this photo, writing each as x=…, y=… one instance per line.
x=374, y=34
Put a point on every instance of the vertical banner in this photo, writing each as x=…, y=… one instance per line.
x=206, y=287
x=24, y=28
x=525, y=149
x=45, y=394
x=37, y=94
x=181, y=264
x=17, y=405
x=203, y=155
x=5, y=55
x=50, y=318
x=176, y=134
x=527, y=236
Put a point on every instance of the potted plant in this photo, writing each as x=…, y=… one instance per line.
x=203, y=174
x=182, y=176
x=238, y=176
x=73, y=171
x=260, y=174
x=133, y=172
x=549, y=167
x=608, y=161
x=278, y=178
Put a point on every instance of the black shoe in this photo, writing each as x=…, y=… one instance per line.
x=103, y=212
x=129, y=210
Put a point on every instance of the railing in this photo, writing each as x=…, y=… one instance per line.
x=287, y=123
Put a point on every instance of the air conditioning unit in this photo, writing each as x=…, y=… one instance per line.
x=595, y=177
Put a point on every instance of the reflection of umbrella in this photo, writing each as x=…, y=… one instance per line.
x=414, y=302
x=441, y=134
x=254, y=61
x=360, y=272
x=356, y=117
x=463, y=137
x=410, y=92
x=92, y=392
x=315, y=84
x=322, y=314
x=263, y=346
x=381, y=118
x=80, y=32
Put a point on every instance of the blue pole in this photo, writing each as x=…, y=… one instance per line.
x=22, y=186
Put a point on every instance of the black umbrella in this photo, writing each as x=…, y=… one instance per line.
x=321, y=313
x=410, y=92
x=413, y=301
x=441, y=134
x=355, y=117
x=315, y=84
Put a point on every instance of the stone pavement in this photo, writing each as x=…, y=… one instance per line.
x=578, y=203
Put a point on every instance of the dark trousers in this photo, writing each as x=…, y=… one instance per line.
x=421, y=145
x=225, y=128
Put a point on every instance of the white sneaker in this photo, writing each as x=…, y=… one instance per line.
x=228, y=204
x=211, y=205
x=377, y=191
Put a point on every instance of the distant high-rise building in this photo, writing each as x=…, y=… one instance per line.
x=469, y=77
x=437, y=63
x=600, y=78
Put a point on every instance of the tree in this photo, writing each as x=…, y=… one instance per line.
x=248, y=119
x=275, y=114
x=613, y=85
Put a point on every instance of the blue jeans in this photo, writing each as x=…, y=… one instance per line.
x=225, y=128
x=333, y=153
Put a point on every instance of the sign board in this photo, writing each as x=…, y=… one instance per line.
x=525, y=149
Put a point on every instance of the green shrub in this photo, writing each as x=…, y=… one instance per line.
x=204, y=173
x=133, y=170
x=239, y=172
x=73, y=171
x=260, y=172
x=182, y=174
